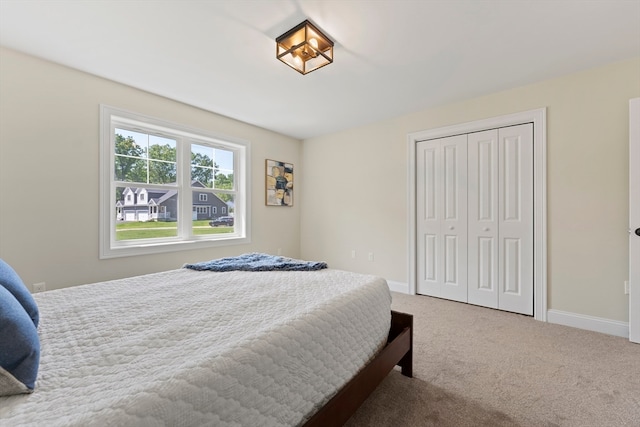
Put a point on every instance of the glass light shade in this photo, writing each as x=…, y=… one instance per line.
x=304, y=48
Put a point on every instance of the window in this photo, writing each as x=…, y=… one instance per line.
x=155, y=176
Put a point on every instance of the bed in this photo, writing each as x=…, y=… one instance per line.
x=234, y=348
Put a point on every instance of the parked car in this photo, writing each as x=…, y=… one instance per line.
x=223, y=220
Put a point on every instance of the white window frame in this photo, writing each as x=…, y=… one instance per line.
x=111, y=118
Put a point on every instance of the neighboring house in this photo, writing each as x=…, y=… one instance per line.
x=207, y=205
x=141, y=204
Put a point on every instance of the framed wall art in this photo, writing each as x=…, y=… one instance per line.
x=279, y=183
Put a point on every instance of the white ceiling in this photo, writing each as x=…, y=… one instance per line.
x=391, y=57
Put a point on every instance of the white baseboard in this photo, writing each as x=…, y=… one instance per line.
x=590, y=323
x=575, y=320
x=398, y=287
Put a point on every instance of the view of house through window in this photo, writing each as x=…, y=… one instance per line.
x=169, y=185
x=212, y=168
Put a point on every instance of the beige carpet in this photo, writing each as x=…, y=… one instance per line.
x=475, y=366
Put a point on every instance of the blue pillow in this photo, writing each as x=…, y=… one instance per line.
x=12, y=282
x=19, y=347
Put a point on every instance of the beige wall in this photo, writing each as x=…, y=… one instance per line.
x=49, y=181
x=355, y=187
x=351, y=186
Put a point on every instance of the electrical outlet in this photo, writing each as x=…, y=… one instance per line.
x=370, y=256
x=626, y=287
x=353, y=253
x=279, y=251
x=39, y=287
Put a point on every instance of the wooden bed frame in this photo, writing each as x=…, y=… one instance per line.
x=398, y=351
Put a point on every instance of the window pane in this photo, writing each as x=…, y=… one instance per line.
x=145, y=158
x=130, y=169
x=130, y=163
x=213, y=216
x=143, y=213
x=162, y=160
x=162, y=172
x=202, y=166
x=211, y=167
x=130, y=143
x=224, y=171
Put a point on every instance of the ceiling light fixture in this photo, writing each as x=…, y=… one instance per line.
x=304, y=48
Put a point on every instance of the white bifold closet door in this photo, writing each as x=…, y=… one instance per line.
x=475, y=218
x=442, y=217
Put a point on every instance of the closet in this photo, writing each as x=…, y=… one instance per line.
x=474, y=218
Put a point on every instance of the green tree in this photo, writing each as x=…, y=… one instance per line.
x=162, y=164
x=203, y=169
x=129, y=164
x=224, y=182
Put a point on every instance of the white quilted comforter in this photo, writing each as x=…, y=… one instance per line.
x=189, y=348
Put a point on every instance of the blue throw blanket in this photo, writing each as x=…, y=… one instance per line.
x=257, y=262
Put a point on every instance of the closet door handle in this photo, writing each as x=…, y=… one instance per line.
x=485, y=229
x=451, y=227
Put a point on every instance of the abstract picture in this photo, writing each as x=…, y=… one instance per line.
x=279, y=183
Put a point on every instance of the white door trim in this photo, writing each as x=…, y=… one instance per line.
x=538, y=118
x=634, y=220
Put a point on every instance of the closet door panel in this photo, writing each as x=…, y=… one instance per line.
x=454, y=217
x=483, y=218
x=428, y=205
x=515, y=213
x=442, y=217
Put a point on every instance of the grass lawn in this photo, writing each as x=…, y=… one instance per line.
x=152, y=230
